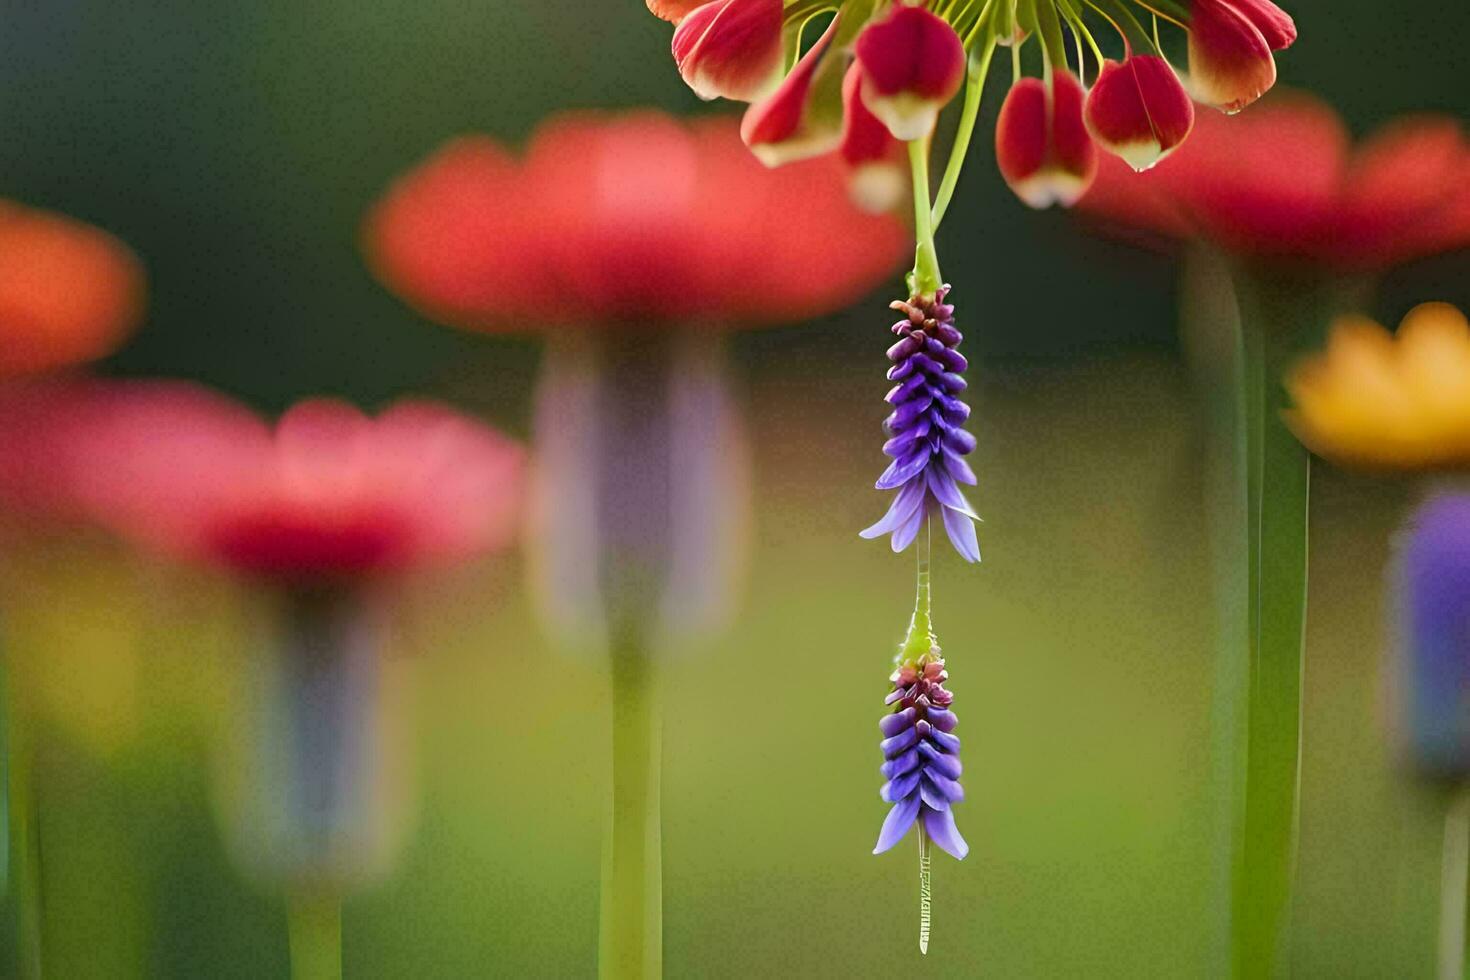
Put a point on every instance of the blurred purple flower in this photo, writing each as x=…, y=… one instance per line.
x=1433, y=595
x=926, y=441
x=922, y=757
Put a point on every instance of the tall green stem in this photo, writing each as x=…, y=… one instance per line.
x=1454, y=878
x=925, y=280
x=979, y=69
x=1258, y=505
x=24, y=831
x=631, y=944
x=314, y=921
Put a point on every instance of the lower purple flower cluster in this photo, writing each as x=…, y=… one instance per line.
x=922, y=757
x=925, y=438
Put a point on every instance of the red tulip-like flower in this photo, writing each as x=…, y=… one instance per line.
x=69, y=292
x=1284, y=182
x=1041, y=143
x=635, y=218
x=326, y=495
x=878, y=170
x=1230, y=45
x=1139, y=110
x=730, y=48
x=913, y=63
x=793, y=123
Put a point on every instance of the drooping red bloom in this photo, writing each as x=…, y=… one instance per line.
x=1138, y=110
x=69, y=292
x=1230, y=45
x=877, y=164
x=1042, y=146
x=1285, y=182
x=638, y=218
x=326, y=494
x=730, y=48
x=913, y=63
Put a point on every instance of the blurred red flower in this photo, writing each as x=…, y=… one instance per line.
x=328, y=493
x=1284, y=182
x=637, y=218
x=69, y=292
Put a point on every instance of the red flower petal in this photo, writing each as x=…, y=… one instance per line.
x=1139, y=110
x=1042, y=146
x=673, y=10
x=784, y=127
x=913, y=63
x=1275, y=24
x=878, y=177
x=730, y=48
x=1230, y=63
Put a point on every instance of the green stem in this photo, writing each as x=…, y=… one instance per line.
x=925, y=280
x=920, y=637
x=631, y=944
x=925, y=893
x=24, y=832
x=314, y=921
x=1265, y=478
x=974, y=95
x=1454, y=871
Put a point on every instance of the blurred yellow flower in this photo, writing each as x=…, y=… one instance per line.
x=1382, y=401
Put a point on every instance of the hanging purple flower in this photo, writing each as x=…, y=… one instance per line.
x=926, y=441
x=922, y=756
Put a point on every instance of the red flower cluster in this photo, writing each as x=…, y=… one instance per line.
x=1286, y=183
x=327, y=493
x=881, y=72
x=638, y=218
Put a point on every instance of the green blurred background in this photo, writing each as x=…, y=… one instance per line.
x=235, y=145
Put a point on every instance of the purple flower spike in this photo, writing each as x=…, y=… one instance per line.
x=922, y=762
x=925, y=438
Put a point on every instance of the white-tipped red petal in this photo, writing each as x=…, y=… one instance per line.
x=730, y=49
x=1139, y=110
x=877, y=178
x=1042, y=145
x=787, y=126
x=1230, y=45
x=913, y=63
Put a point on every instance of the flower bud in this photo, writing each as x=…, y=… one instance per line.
x=1139, y=110
x=730, y=49
x=1230, y=45
x=877, y=177
x=795, y=122
x=913, y=63
x=1042, y=145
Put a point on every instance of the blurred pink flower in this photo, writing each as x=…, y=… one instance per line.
x=327, y=494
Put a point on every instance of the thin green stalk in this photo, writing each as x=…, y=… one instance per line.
x=974, y=95
x=24, y=834
x=631, y=942
x=1454, y=878
x=925, y=893
x=1268, y=756
x=925, y=280
x=314, y=922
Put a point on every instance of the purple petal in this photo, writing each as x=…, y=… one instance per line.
x=946, y=741
x=959, y=469
x=902, y=764
x=904, y=470
x=891, y=725
x=943, y=487
x=953, y=383
x=959, y=441
x=903, y=392
x=897, y=823
x=934, y=760
x=952, y=790
x=932, y=797
x=899, y=743
x=901, y=787
x=941, y=828
x=909, y=499
x=942, y=719
x=904, y=536
x=961, y=531
x=901, y=370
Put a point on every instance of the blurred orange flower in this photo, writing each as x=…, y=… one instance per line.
x=1284, y=182
x=634, y=218
x=1381, y=401
x=69, y=292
